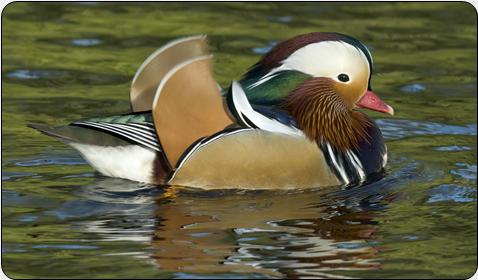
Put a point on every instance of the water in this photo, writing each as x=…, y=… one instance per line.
x=62, y=62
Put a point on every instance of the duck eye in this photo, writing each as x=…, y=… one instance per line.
x=343, y=78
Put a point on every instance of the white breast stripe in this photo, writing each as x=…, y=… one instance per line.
x=339, y=167
x=243, y=107
x=143, y=137
x=357, y=165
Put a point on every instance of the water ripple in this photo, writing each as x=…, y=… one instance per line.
x=118, y=191
x=58, y=77
x=17, y=199
x=85, y=42
x=64, y=247
x=453, y=148
x=25, y=74
x=452, y=192
x=265, y=49
x=468, y=171
x=281, y=19
x=6, y=176
x=413, y=88
x=119, y=229
x=397, y=129
x=52, y=161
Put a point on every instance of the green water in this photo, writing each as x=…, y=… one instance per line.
x=65, y=61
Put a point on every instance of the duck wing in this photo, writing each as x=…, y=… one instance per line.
x=188, y=106
x=136, y=129
x=154, y=68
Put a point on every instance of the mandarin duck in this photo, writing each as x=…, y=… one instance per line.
x=290, y=122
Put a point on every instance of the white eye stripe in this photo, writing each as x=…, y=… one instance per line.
x=329, y=59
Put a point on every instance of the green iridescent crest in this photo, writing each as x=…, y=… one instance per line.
x=274, y=90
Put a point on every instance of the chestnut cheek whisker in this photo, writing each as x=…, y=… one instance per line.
x=323, y=115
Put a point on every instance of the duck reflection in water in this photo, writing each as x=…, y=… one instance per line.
x=278, y=234
x=274, y=233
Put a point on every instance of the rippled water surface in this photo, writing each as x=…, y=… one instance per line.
x=62, y=62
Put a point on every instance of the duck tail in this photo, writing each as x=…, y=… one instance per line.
x=56, y=132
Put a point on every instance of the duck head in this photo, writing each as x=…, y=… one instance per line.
x=320, y=79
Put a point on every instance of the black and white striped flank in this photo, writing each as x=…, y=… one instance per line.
x=140, y=133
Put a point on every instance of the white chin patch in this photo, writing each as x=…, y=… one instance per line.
x=329, y=59
x=131, y=162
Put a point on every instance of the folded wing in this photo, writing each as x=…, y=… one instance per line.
x=155, y=67
x=188, y=106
